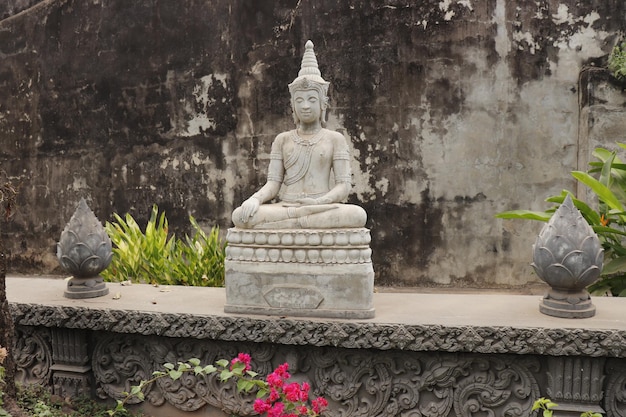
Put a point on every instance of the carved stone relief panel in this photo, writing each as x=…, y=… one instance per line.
x=32, y=352
x=401, y=383
x=615, y=388
x=356, y=382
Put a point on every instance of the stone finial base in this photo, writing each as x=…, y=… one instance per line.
x=306, y=273
x=567, y=305
x=86, y=287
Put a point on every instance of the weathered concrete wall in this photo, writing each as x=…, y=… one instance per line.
x=456, y=110
x=602, y=117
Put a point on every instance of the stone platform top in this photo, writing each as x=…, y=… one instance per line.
x=482, y=323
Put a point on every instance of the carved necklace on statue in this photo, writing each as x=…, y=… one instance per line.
x=297, y=164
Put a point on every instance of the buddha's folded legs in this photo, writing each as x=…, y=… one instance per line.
x=323, y=216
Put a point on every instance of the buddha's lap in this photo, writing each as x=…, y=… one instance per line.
x=335, y=215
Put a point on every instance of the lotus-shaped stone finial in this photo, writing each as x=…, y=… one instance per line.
x=84, y=250
x=568, y=256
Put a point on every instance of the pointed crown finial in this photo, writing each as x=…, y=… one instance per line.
x=309, y=62
x=309, y=73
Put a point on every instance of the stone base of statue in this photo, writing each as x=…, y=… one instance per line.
x=305, y=273
x=86, y=287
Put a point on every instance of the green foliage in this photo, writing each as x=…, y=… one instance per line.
x=36, y=401
x=607, y=180
x=617, y=61
x=139, y=256
x=546, y=408
x=590, y=414
x=286, y=397
x=176, y=371
x=3, y=355
x=41, y=409
x=199, y=260
x=156, y=257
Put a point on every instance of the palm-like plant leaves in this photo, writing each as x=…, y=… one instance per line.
x=607, y=180
x=154, y=256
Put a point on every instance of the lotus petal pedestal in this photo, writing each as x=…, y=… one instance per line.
x=306, y=273
x=84, y=250
x=86, y=287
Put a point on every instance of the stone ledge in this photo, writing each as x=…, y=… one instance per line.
x=404, y=321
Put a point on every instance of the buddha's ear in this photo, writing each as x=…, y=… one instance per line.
x=325, y=102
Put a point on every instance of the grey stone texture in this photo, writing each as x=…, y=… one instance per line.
x=454, y=110
x=461, y=355
x=569, y=257
x=84, y=250
x=306, y=273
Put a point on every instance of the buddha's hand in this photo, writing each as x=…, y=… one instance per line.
x=249, y=209
x=307, y=201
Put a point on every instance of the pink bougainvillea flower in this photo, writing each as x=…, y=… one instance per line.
x=292, y=392
x=274, y=395
x=276, y=410
x=274, y=380
x=319, y=404
x=261, y=406
x=280, y=398
x=241, y=358
x=282, y=370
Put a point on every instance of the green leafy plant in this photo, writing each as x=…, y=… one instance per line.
x=37, y=401
x=139, y=256
x=617, y=61
x=3, y=355
x=156, y=257
x=545, y=407
x=606, y=178
x=275, y=396
x=199, y=259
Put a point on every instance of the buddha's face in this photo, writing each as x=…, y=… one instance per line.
x=307, y=106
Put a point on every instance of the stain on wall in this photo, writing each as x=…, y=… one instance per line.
x=454, y=109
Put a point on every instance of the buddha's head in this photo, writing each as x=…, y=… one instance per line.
x=310, y=79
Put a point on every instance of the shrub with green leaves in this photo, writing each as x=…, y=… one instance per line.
x=37, y=401
x=545, y=408
x=156, y=257
x=199, y=259
x=275, y=396
x=3, y=355
x=617, y=61
x=607, y=180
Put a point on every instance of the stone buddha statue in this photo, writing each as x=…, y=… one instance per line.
x=309, y=169
x=297, y=248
